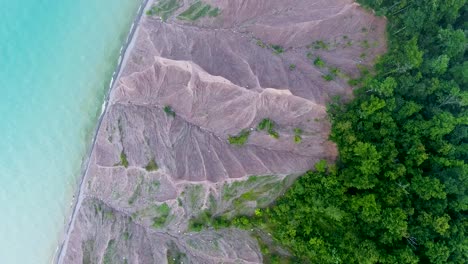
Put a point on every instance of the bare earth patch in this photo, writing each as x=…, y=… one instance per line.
x=263, y=69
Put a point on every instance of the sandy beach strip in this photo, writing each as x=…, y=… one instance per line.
x=78, y=197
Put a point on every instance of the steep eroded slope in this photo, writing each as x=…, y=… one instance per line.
x=163, y=155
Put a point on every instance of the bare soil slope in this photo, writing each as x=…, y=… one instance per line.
x=206, y=73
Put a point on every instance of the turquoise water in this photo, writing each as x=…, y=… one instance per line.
x=56, y=61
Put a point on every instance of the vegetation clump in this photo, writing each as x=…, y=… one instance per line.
x=328, y=77
x=261, y=44
x=123, y=159
x=273, y=133
x=365, y=44
x=193, y=197
x=320, y=44
x=198, y=10
x=335, y=71
x=136, y=193
x=164, y=9
x=277, y=49
x=319, y=62
x=214, y=12
x=175, y=256
x=265, y=124
x=168, y=110
x=269, y=126
x=297, y=135
x=126, y=235
x=196, y=224
x=152, y=166
x=240, y=139
x=110, y=252
x=162, y=212
x=238, y=198
x=292, y=67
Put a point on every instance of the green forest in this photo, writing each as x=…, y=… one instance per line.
x=398, y=193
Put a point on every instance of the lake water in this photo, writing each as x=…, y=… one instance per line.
x=56, y=61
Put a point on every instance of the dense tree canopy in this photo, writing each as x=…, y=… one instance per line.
x=398, y=193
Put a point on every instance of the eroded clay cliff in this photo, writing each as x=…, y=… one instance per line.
x=192, y=80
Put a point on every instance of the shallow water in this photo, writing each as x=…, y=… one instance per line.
x=56, y=61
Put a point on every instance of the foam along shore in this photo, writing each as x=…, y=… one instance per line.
x=61, y=249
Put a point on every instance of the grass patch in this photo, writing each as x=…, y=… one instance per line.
x=261, y=44
x=123, y=159
x=354, y=82
x=126, y=235
x=199, y=10
x=214, y=12
x=249, y=196
x=97, y=208
x=176, y=257
x=234, y=189
x=155, y=184
x=110, y=252
x=162, y=212
x=335, y=71
x=136, y=193
x=163, y=209
x=238, y=197
x=193, y=197
x=240, y=139
x=231, y=190
x=365, y=72
x=297, y=135
x=292, y=67
x=274, y=134
x=320, y=44
x=297, y=139
x=277, y=49
x=365, y=44
x=265, y=124
x=88, y=248
x=319, y=62
x=168, y=110
x=109, y=214
x=328, y=77
x=298, y=131
x=152, y=166
x=164, y=9
x=212, y=203
x=206, y=220
x=196, y=224
x=242, y=194
x=268, y=125
x=271, y=254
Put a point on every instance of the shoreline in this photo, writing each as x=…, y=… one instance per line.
x=78, y=196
